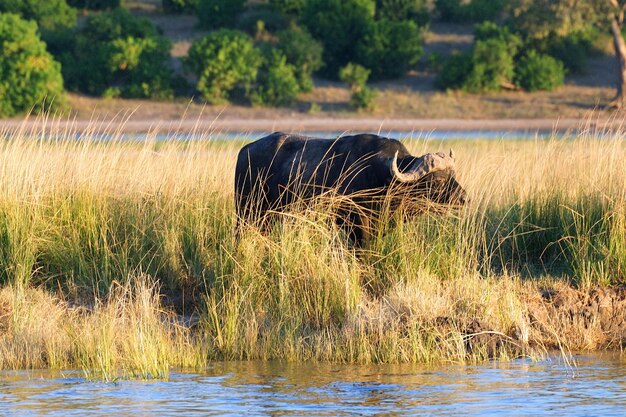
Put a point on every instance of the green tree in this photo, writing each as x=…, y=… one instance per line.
x=180, y=6
x=29, y=77
x=94, y=4
x=493, y=66
x=542, y=18
x=362, y=97
x=389, y=48
x=539, y=72
x=398, y=10
x=289, y=7
x=49, y=14
x=339, y=25
x=464, y=11
x=213, y=14
x=116, y=53
x=303, y=52
x=223, y=61
x=277, y=84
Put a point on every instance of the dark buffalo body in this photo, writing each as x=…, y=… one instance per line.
x=280, y=169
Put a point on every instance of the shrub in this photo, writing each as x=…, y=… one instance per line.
x=390, y=48
x=472, y=11
x=116, y=53
x=214, y=14
x=49, y=14
x=339, y=25
x=573, y=49
x=260, y=20
x=303, y=52
x=356, y=77
x=483, y=10
x=539, y=72
x=492, y=66
x=399, y=10
x=289, y=7
x=223, y=61
x=180, y=6
x=454, y=72
x=29, y=77
x=491, y=30
x=95, y=4
x=277, y=84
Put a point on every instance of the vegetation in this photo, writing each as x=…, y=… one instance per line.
x=401, y=10
x=214, y=14
x=117, y=54
x=362, y=97
x=539, y=72
x=289, y=7
x=136, y=231
x=496, y=63
x=49, y=14
x=470, y=11
x=277, y=84
x=30, y=78
x=223, y=61
x=180, y=6
x=96, y=4
x=303, y=52
x=390, y=48
x=339, y=25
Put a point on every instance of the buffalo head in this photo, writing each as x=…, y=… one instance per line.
x=432, y=177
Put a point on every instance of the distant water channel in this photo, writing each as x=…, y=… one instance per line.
x=394, y=134
x=596, y=386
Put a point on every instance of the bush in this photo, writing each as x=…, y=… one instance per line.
x=29, y=77
x=180, y=6
x=539, y=72
x=483, y=10
x=474, y=11
x=573, y=49
x=399, y=10
x=223, y=61
x=492, y=66
x=303, y=52
x=95, y=4
x=454, y=72
x=289, y=7
x=339, y=25
x=276, y=83
x=390, y=48
x=213, y=14
x=260, y=20
x=356, y=77
x=116, y=53
x=491, y=30
x=49, y=14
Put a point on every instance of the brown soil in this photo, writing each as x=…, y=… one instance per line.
x=592, y=319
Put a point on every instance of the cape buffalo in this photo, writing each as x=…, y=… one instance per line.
x=280, y=169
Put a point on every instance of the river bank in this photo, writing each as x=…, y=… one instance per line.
x=118, y=257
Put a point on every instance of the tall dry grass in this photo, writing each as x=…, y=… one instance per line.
x=90, y=228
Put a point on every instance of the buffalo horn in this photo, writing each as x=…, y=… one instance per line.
x=423, y=166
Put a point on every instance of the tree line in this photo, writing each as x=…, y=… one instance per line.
x=266, y=52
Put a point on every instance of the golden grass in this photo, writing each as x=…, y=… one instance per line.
x=104, y=244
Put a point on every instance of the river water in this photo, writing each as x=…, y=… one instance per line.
x=594, y=386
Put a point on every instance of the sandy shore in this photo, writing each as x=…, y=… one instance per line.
x=301, y=124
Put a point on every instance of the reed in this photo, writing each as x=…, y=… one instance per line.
x=109, y=247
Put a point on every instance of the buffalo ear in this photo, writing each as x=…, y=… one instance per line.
x=452, y=156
